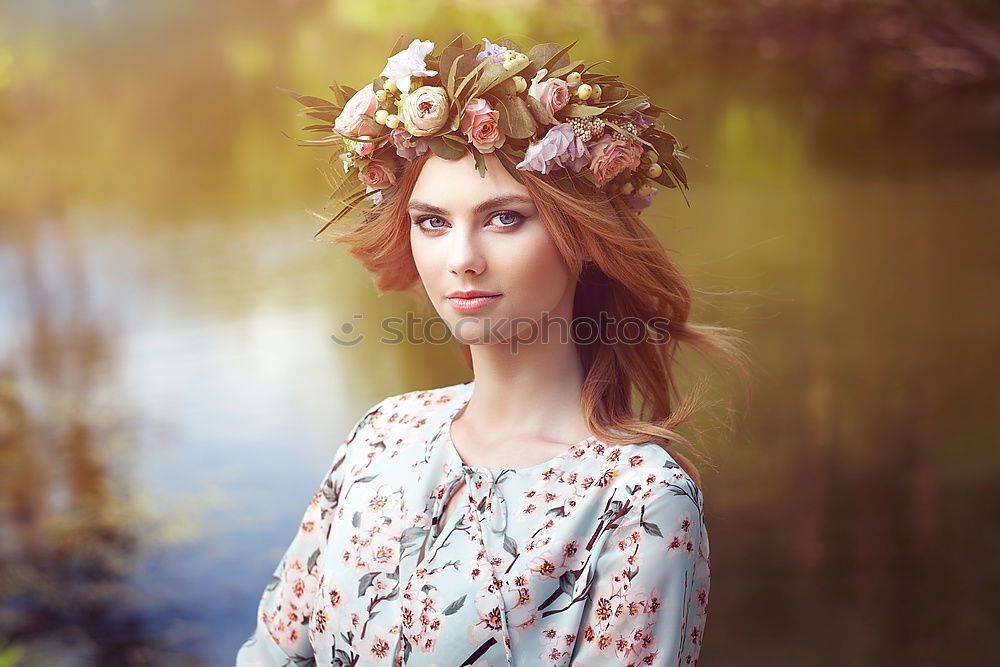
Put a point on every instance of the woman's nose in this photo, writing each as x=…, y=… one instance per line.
x=465, y=254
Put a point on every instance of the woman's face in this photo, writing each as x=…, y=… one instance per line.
x=485, y=234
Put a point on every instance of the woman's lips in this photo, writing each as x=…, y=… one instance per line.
x=473, y=303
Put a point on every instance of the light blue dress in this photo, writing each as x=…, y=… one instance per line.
x=596, y=557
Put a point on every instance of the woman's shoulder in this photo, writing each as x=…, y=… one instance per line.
x=430, y=399
x=420, y=403
x=648, y=472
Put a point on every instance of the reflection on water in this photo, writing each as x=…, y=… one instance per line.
x=170, y=396
x=69, y=530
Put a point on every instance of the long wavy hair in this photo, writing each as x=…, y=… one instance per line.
x=622, y=271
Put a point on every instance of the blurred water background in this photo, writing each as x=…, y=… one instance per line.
x=170, y=396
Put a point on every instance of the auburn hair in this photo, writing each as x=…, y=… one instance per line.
x=622, y=270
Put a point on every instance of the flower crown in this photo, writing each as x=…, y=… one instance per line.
x=534, y=111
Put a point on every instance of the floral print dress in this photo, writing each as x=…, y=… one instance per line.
x=596, y=557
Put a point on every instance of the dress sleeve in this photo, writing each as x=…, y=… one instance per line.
x=281, y=636
x=649, y=593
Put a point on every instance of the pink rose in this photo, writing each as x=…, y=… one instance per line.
x=377, y=175
x=554, y=94
x=363, y=148
x=611, y=155
x=479, y=123
x=425, y=110
x=351, y=121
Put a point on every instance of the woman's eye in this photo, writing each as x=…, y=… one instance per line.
x=513, y=216
x=420, y=222
x=504, y=219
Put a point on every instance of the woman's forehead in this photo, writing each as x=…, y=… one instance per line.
x=459, y=182
x=469, y=203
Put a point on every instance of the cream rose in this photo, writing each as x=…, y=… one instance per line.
x=479, y=123
x=351, y=121
x=425, y=110
x=611, y=155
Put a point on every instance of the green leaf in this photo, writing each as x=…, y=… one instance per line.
x=550, y=54
x=493, y=75
x=454, y=606
x=455, y=64
x=471, y=76
x=653, y=110
x=348, y=93
x=562, y=71
x=346, y=186
x=508, y=44
x=510, y=545
x=329, y=116
x=540, y=113
x=445, y=149
x=374, y=126
x=610, y=93
x=626, y=106
x=580, y=111
x=364, y=582
x=505, y=87
x=450, y=86
x=675, y=167
x=480, y=162
x=508, y=163
x=455, y=142
x=459, y=41
x=349, y=206
x=651, y=528
x=411, y=537
x=339, y=94
x=514, y=118
x=567, y=581
x=665, y=180
x=400, y=44
x=610, y=80
x=663, y=143
x=327, y=141
x=308, y=100
x=313, y=557
x=594, y=64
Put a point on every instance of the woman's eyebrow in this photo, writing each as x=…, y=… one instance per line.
x=504, y=200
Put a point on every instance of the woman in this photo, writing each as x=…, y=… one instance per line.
x=526, y=517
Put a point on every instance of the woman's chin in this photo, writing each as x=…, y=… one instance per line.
x=475, y=331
